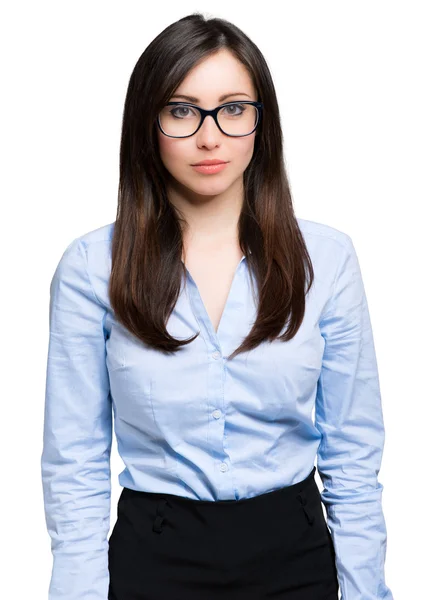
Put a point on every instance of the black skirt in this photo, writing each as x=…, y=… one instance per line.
x=274, y=545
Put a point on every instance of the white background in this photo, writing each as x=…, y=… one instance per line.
x=351, y=83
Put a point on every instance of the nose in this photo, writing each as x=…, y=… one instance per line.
x=209, y=133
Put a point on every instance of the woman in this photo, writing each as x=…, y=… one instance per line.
x=211, y=322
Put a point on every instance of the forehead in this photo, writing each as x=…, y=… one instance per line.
x=217, y=78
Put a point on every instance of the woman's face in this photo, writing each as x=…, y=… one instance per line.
x=214, y=77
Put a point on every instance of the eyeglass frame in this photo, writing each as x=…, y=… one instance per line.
x=214, y=114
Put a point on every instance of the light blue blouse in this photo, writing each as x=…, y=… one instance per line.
x=198, y=425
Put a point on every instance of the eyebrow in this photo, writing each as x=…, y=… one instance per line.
x=221, y=98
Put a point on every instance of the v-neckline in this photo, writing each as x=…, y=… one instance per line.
x=211, y=330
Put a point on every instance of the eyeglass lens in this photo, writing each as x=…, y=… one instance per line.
x=234, y=119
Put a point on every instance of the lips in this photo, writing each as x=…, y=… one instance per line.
x=213, y=161
x=210, y=169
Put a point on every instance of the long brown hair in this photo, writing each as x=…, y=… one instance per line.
x=147, y=240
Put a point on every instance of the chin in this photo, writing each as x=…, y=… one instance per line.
x=206, y=188
x=209, y=189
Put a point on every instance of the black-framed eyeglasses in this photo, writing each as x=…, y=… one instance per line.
x=235, y=119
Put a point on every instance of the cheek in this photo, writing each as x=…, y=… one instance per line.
x=174, y=154
x=167, y=149
x=244, y=151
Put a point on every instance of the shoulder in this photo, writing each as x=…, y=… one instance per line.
x=95, y=245
x=330, y=248
x=96, y=242
x=88, y=257
x=91, y=241
x=101, y=235
x=321, y=233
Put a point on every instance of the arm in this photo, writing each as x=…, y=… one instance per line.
x=75, y=462
x=350, y=419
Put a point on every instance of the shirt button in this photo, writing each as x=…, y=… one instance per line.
x=216, y=354
x=223, y=467
x=216, y=413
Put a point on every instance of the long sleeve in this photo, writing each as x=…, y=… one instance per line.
x=75, y=462
x=349, y=416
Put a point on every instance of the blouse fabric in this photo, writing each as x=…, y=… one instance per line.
x=199, y=425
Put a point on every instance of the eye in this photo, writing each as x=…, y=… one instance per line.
x=176, y=111
x=230, y=109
